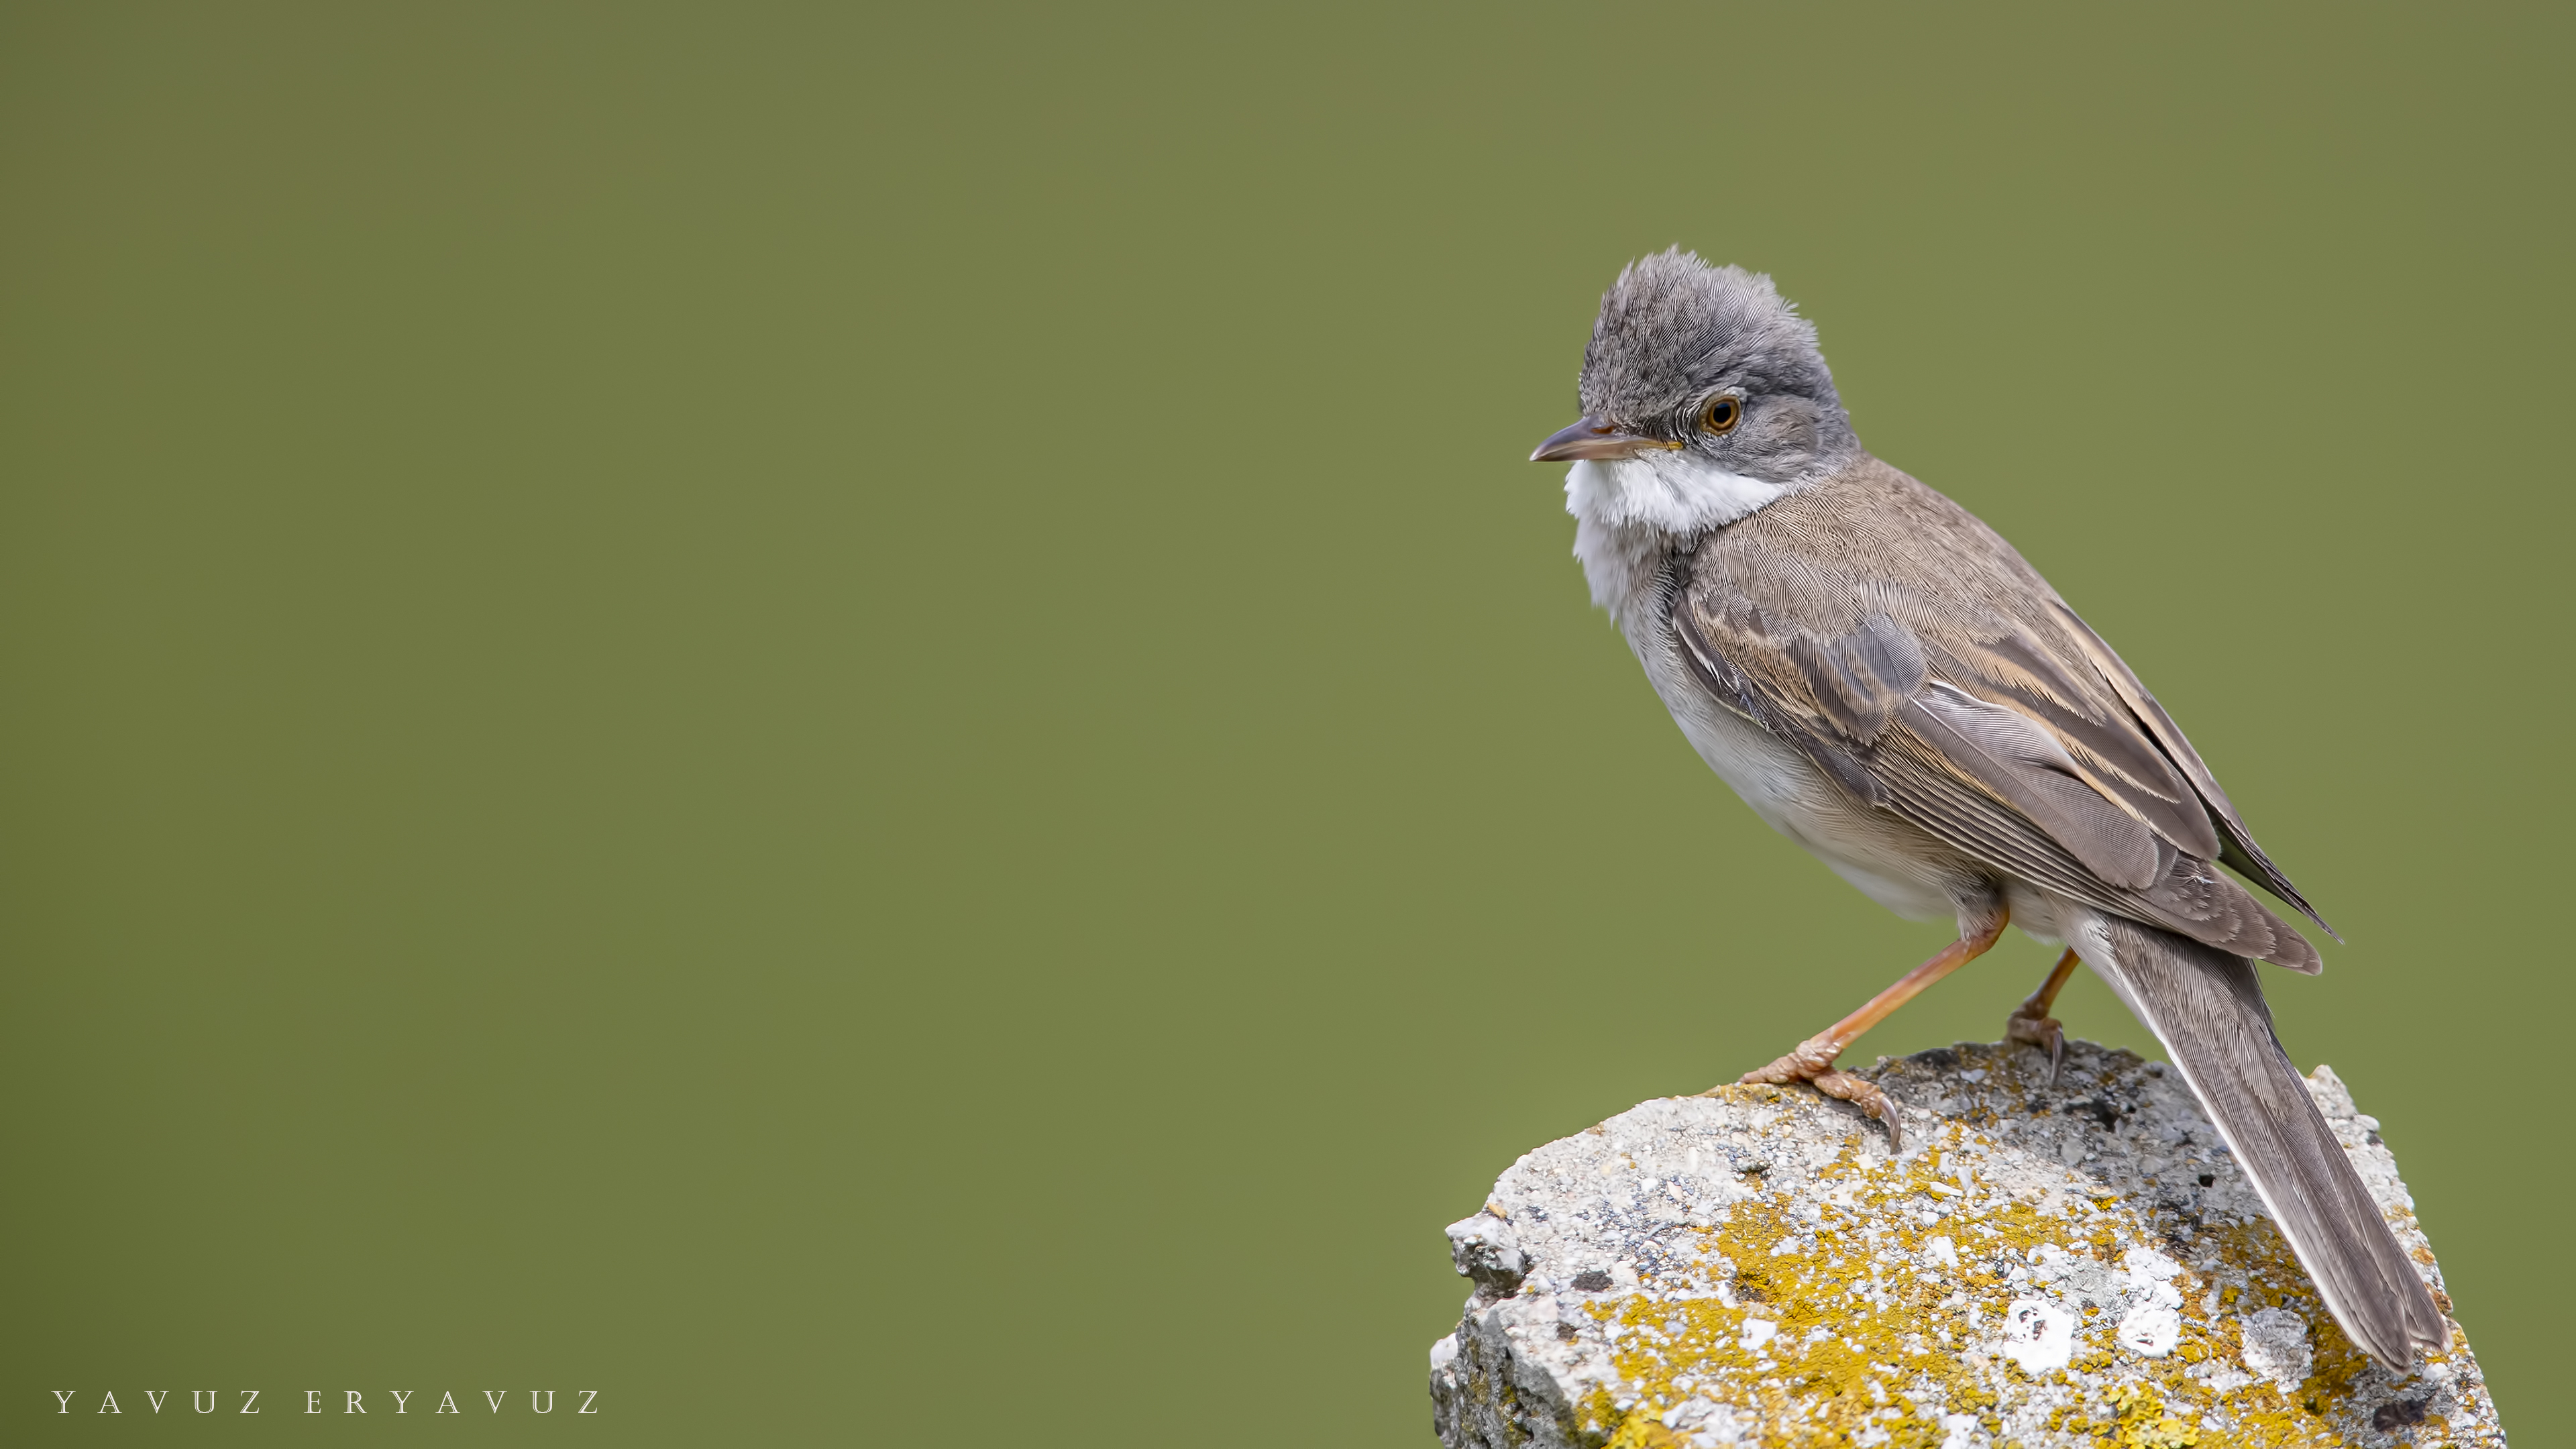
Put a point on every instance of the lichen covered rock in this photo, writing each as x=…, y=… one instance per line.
x=2073, y=1265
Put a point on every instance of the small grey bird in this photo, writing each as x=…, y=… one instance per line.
x=1886, y=682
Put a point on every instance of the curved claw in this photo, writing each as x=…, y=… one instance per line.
x=2042, y=1031
x=1812, y=1062
x=1867, y=1097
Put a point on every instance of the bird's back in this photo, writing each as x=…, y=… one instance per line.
x=1871, y=540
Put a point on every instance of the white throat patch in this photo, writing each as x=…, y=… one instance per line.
x=1677, y=492
x=1629, y=511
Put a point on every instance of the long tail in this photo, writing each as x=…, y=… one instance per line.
x=2207, y=1008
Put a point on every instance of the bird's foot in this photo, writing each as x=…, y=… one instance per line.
x=2033, y=1026
x=1812, y=1062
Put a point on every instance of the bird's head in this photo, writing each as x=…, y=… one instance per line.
x=1700, y=370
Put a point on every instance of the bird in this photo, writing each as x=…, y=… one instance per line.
x=1885, y=681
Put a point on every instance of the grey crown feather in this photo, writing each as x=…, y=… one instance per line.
x=1674, y=328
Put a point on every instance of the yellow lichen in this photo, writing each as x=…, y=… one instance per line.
x=1861, y=1344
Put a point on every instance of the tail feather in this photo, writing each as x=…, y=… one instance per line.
x=2207, y=1008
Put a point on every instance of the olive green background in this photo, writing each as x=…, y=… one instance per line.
x=856, y=723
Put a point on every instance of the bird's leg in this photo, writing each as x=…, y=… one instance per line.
x=2033, y=1026
x=1812, y=1060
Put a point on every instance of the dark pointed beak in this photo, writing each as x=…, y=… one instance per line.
x=1593, y=439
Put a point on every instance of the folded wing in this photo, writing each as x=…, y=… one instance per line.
x=2013, y=735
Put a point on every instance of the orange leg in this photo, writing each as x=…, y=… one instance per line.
x=1813, y=1059
x=2033, y=1026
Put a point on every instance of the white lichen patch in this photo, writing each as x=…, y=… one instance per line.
x=2038, y=1336
x=2044, y=1266
x=2150, y=1332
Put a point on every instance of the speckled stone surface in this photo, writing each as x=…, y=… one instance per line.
x=2073, y=1265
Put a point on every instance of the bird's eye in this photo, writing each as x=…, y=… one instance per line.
x=1720, y=414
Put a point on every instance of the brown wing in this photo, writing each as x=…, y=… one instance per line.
x=2241, y=851
x=1906, y=649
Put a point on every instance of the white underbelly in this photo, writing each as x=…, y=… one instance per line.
x=1777, y=781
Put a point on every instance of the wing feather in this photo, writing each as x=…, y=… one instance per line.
x=2112, y=754
x=2029, y=769
x=2240, y=850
